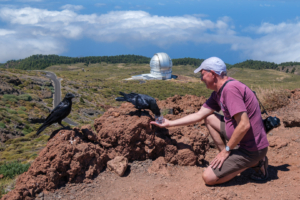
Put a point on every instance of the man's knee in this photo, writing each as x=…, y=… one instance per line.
x=209, y=119
x=209, y=177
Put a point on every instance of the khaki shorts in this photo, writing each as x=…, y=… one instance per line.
x=239, y=158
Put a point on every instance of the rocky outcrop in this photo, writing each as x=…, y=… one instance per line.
x=68, y=157
x=123, y=133
x=80, y=154
x=7, y=84
x=5, y=88
x=6, y=134
x=46, y=94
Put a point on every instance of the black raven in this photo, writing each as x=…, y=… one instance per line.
x=141, y=101
x=61, y=111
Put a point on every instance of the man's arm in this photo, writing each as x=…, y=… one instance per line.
x=243, y=125
x=239, y=132
x=189, y=119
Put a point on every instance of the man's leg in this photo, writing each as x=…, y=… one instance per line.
x=210, y=177
x=213, y=124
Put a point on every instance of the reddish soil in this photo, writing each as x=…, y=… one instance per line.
x=163, y=163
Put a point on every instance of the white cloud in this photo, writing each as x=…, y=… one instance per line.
x=4, y=32
x=43, y=31
x=72, y=7
x=16, y=47
x=278, y=43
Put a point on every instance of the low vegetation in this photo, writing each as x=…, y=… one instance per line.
x=8, y=171
x=11, y=169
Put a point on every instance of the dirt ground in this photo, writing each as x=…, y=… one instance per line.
x=185, y=182
x=153, y=177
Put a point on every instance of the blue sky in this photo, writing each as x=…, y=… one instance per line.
x=234, y=30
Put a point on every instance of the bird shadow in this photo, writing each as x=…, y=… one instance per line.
x=139, y=114
x=244, y=177
x=56, y=131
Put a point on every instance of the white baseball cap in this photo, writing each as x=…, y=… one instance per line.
x=212, y=63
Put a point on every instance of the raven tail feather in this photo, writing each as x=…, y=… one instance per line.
x=41, y=129
x=120, y=99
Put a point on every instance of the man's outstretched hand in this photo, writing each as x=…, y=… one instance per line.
x=165, y=123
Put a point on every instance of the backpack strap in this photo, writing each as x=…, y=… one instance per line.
x=221, y=90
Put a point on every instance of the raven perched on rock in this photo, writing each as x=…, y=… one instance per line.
x=141, y=101
x=61, y=111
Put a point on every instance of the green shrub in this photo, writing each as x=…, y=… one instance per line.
x=27, y=130
x=21, y=112
x=13, y=168
x=15, y=99
x=11, y=111
x=25, y=97
x=10, y=97
x=2, y=125
x=36, y=87
x=22, y=108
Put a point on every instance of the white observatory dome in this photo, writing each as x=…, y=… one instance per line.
x=161, y=66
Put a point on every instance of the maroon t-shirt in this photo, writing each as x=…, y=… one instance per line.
x=235, y=98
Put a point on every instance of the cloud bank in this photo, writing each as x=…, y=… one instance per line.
x=40, y=31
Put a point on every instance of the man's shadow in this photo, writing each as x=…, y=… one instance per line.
x=244, y=177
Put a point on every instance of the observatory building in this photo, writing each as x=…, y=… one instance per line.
x=161, y=68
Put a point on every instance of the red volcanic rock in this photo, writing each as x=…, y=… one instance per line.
x=159, y=166
x=186, y=157
x=87, y=131
x=123, y=133
x=182, y=104
x=80, y=154
x=68, y=157
x=118, y=165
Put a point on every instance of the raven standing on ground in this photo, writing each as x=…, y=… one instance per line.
x=61, y=111
x=141, y=101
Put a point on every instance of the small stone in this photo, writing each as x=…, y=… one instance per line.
x=41, y=195
x=118, y=165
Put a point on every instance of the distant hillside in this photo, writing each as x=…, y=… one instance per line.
x=254, y=64
x=285, y=64
x=43, y=61
x=187, y=61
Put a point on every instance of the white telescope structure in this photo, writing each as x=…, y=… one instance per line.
x=161, y=68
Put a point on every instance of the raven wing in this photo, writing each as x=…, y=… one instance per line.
x=61, y=111
x=141, y=102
